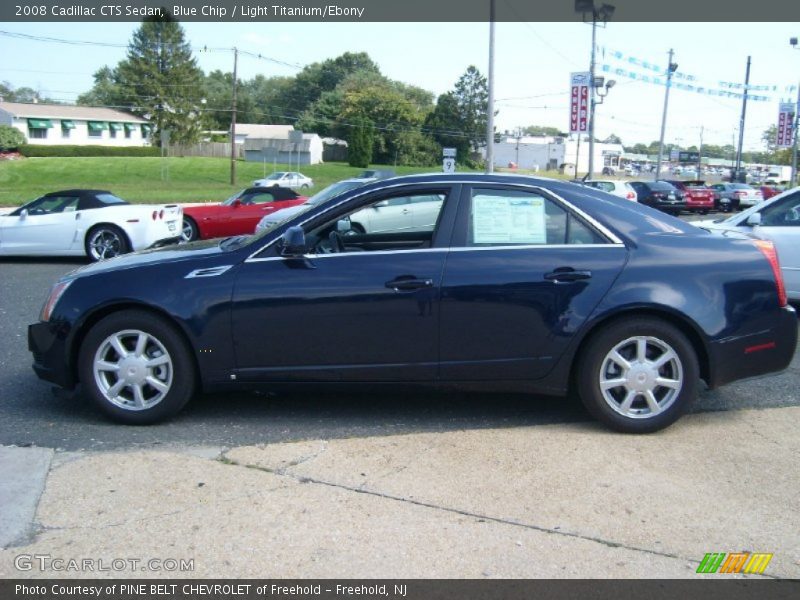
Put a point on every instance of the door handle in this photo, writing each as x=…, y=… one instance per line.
x=567, y=274
x=404, y=284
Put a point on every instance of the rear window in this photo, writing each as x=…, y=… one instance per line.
x=740, y=186
x=110, y=199
x=661, y=186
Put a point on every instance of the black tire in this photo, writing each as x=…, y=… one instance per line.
x=178, y=375
x=594, y=362
x=189, y=231
x=704, y=211
x=105, y=241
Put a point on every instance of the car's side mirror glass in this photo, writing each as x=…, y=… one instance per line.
x=754, y=219
x=293, y=242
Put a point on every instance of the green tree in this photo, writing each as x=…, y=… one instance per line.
x=612, y=139
x=543, y=130
x=445, y=125
x=160, y=80
x=105, y=91
x=11, y=138
x=472, y=97
x=360, y=142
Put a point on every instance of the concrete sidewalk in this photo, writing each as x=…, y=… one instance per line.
x=549, y=501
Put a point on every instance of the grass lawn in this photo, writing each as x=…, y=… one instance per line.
x=145, y=179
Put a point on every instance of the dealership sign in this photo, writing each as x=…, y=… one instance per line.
x=785, y=125
x=579, y=102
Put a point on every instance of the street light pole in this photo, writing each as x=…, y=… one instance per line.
x=671, y=68
x=490, y=101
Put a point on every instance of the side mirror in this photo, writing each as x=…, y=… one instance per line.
x=293, y=242
x=754, y=219
x=236, y=203
x=381, y=204
x=343, y=225
x=23, y=213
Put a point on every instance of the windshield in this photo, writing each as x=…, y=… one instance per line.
x=277, y=175
x=230, y=200
x=332, y=191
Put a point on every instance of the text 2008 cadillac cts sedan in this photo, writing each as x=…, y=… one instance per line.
x=521, y=284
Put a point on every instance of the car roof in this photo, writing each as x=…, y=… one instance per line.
x=76, y=192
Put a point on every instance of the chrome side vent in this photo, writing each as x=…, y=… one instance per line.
x=209, y=272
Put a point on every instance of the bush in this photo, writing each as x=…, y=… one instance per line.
x=35, y=150
x=11, y=138
x=360, y=143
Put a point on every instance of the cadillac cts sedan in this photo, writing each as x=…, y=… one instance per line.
x=522, y=284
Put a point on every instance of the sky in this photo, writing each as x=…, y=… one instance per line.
x=532, y=65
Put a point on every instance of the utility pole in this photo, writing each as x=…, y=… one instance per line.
x=592, y=101
x=741, y=123
x=233, y=118
x=794, y=137
x=671, y=68
x=700, y=153
x=490, y=103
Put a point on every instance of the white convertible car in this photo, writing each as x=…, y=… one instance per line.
x=94, y=223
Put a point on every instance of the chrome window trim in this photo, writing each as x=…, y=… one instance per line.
x=460, y=249
x=615, y=241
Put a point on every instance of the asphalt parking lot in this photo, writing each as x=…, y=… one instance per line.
x=33, y=415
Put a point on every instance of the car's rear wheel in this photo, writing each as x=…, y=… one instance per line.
x=189, y=233
x=136, y=367
x=305, y=186
x=106, y=241
x=638, y=376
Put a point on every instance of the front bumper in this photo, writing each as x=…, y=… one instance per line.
x=47, y=343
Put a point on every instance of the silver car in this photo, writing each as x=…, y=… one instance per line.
x=776, y=220
x=287, y=179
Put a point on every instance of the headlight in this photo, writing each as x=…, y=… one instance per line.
x=55, y=294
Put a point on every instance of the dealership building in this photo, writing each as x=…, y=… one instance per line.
x=60, y=124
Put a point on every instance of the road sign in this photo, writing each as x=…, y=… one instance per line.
x=449, y=165
x=688, y=157
x=579, y=102
x=449, y=152
x=785, y=125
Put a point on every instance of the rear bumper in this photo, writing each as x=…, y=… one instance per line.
x=767, y=351
x=47, y=343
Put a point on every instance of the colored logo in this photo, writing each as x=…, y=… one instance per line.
x=735, y=562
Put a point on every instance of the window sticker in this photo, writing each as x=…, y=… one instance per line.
x=508, y=220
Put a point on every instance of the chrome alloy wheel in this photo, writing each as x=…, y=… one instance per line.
x=133, y=370
x=641, y=377
x=105, y=243
x=187, y=233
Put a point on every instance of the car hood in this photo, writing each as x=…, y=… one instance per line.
x=174, y=252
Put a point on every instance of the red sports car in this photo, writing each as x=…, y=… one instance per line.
x=238, y=215
x=699, y=197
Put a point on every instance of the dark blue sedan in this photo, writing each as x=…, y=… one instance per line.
x=482, y=282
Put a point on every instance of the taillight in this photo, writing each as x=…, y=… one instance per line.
x=161, y=214
x=631, y=196
x=768, y=249
x=155, y=215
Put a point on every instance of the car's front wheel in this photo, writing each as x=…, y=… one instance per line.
x=136, y=367
x=106, y=241
x=638, y=376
